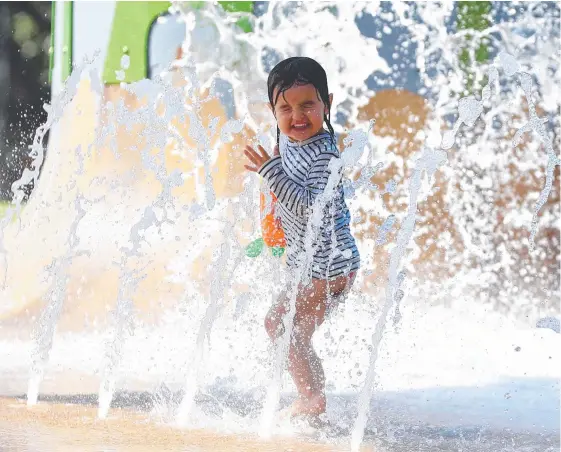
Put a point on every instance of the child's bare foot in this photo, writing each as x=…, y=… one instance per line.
x=313, y=406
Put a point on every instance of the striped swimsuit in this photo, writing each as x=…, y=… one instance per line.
x=297, y=178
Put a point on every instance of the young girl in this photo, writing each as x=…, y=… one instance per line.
x=297, y=174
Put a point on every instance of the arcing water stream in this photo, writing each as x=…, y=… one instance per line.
x=167, y=218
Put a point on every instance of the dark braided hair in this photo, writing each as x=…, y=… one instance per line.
x=300, y=71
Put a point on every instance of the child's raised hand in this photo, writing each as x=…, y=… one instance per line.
x=258, y=159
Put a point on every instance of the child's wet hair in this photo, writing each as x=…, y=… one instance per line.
x=299, y=71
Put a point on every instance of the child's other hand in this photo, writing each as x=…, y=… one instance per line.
x=258, y=159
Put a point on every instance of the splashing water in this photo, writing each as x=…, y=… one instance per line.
x=204, y=231
x=217, y=292
x=427, y=163
x=123, y=323
x=384, y=229
x=470, y=109
x=45, y=330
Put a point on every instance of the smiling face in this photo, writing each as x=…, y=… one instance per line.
x=300, y=112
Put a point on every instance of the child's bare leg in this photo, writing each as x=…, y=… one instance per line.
x=304, y=365
x=307, y=373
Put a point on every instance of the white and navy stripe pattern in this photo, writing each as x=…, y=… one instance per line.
x=297, y=177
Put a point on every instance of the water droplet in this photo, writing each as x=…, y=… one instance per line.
x=508, y=63
x=125, y=61
x=469, y=109
x=448, y=139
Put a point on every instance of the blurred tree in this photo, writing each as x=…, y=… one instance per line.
x=24, y=70
x=473, y=16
